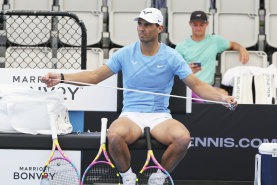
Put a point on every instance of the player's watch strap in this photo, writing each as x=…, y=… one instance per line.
x=62, y=78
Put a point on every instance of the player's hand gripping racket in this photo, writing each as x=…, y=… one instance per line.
x=59, y=170
x=102, y=172
x=155, y=174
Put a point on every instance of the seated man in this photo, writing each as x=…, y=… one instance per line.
x=146, y=65
x=200, y=49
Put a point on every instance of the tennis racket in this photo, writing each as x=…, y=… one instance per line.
x=155, y=174
x=101, y=172
x=59, y=170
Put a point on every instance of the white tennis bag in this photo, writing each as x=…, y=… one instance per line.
x=28, y=111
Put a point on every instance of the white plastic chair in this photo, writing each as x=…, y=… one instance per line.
x=95, y=58
x=238, y=21
x=28, y=57
x=26, y=30
x=271, y=22
x=112, y=51
x=18, y=34
x=31, y=5
x=89, y=11
x=70, y=58
x=274, y=58
x=230, y=59
x=179, y=15
x=122, y=27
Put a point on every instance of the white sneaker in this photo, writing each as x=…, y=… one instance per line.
x=130, y=179
x=157, y=179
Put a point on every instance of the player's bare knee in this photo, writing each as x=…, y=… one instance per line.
x=115, y=140
x=182, y=142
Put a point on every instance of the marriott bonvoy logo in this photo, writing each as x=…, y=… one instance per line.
x=30, y=173
x=70, y=92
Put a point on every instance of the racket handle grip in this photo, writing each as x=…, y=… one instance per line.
x=53, y=121
x=104, y=122
x=148, y=137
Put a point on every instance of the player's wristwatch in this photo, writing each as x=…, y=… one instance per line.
x=62, y=78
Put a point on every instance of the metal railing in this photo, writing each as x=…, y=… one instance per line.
x=42, y=39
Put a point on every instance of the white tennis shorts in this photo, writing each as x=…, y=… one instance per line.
x=146, y=119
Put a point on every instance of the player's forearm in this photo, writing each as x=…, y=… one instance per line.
x=92, y=77
x=244, y=55
x=203, y=89
x=236, y=46
x=84, y=77
x=207, y=92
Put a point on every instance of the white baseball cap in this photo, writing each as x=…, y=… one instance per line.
x=151, y=15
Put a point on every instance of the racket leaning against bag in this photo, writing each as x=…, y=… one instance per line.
x=155, y=174
x=101, y=171
x=59, y=170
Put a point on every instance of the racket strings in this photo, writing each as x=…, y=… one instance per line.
x=62, y=173
x=151, y=177
x=101, y=173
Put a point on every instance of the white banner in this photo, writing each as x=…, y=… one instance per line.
x=77, y=98
x=24, y=167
